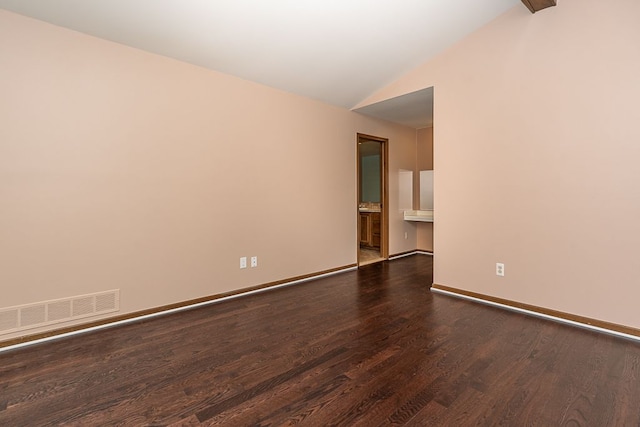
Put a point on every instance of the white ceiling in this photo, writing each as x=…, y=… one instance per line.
x=335, y=51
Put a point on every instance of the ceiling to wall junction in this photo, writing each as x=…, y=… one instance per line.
x=335, y=51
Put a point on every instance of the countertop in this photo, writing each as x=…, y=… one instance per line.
x=421, y=216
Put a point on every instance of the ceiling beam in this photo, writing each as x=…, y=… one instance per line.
x=536, y=5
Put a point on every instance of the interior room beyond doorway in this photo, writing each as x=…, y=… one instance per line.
x=371, y=203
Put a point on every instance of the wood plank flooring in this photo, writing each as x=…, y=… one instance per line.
x=371, y=347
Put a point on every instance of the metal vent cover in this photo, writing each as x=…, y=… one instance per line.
x=45, y=313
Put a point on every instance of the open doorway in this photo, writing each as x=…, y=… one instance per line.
x=372, y=199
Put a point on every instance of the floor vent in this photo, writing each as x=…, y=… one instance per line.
x=28, y=316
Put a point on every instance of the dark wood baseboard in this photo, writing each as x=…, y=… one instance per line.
x=401, y=254
x=157, y=310
x=558, y=315
x=408, y=253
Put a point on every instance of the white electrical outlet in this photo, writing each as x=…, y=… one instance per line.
x=499, y=269
x=243, y=262
x=406, y=235
x=254, y=261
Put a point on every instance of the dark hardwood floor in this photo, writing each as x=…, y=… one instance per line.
x=364, y=348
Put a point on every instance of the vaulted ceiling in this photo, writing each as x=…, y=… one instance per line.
x=335, y=51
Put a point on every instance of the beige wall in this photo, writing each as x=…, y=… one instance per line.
x=424, y=161
x=537, y=130
x=123, y=169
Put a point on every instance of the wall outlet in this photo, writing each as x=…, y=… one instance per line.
x=243, y=262
x=254, y=261
x=406, y=235
x=499, y=269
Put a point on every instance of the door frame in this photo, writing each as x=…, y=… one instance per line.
x=384, y=190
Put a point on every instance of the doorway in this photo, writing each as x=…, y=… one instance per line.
x=372, y=154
